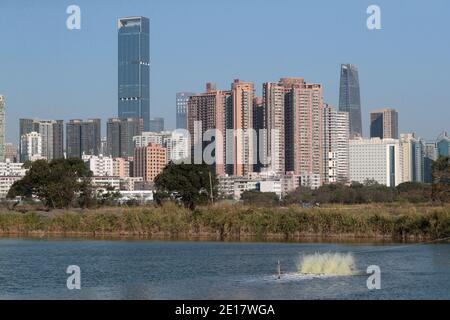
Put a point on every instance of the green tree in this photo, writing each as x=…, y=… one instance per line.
x=55, y=183
x=258, y=198
x=190, y=184
x=414, y=192
x=356, y=193
x=441, y=180
x=300, y=195
x=108, y=196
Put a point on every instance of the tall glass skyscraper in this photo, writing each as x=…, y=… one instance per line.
x=349, y=97
x=134, y=69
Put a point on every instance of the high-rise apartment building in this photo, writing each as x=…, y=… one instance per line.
x=176, y=142
x=2, y=127
x=11, y=153
x=31, y=147
x=177, y=145
x=384, y=124
x=304, y=127
x=121, y=168
x=113, y=146
x=181, y=109
x=431, y=155
x=73, y=138
x=260, y=126
x=25, y=126
x=120, y=133
x=91, y=136
x=376, y=159
x=336, y=145
x=83, y=137
x=413, y=158
x=156, y=125
x=129, y=128
x=101, y=166
x=149, y=161
x=58, y=139
x=134, y=69
x=230, y=114
x=243, y=145
x=294, y=122
x=45, y=129
x=52, y=134
x=273, y=100
x=350, y=98
x=209, y=112
x=104, y=146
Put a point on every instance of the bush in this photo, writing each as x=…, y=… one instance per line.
x=256, y=198
x=233, y=221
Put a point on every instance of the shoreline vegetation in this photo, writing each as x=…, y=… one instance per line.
x=395, y=222
x=71, y=205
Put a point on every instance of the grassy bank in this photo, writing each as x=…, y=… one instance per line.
x=236, y=222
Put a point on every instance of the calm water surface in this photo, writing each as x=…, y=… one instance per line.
x=36, y=269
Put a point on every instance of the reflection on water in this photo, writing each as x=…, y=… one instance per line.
x=212, y=270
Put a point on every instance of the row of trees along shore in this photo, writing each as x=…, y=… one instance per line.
x=183, y=207
x=65, y=183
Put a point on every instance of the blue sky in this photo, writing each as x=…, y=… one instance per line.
x=47, y=71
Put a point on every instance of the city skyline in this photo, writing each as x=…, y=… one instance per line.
x=187, y=152
x=68, y=53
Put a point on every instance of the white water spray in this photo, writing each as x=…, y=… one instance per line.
x=332, y=264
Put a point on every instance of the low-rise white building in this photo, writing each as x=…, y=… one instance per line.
x=129, y=183
x=6, y=183
x=10, y=172
x=241, y=186
x=275, y=186
x=141, y=196
x=100, y=165
x=9, y=168
x=232, y=187
x=310, y=180
x=290, y=182
x=148, y=137
x=103, y=182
